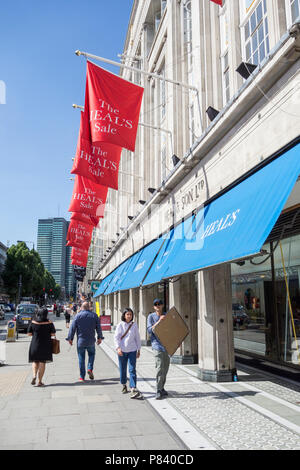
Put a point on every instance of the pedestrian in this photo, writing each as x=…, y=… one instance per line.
x=40, y=351
x=128, y=346
x=85, y=324
x=162, y=359
x=68, y=312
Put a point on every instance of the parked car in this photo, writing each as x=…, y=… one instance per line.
x=24, y=315
x=239, y=316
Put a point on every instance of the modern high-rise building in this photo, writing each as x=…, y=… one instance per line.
x=56, y=256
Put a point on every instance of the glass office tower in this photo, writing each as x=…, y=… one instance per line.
x=51, y=246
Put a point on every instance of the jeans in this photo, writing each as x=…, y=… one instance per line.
x=130, y=358
x=81, y=356
x=162, y=363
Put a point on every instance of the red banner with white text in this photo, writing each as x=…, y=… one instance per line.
x=98, y=162
x=79, y=253
x=112, y=107
x=86, y=219
x=88, y=198
x=79, y=235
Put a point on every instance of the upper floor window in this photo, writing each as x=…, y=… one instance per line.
x=163, y=92
x=187, y=31
x=224, y=53
x=292, y=11
x=158, y=16
x=255, y=30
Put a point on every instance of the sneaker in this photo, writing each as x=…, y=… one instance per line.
x=90, y=374
x=134, y=393
x=164, y=393
x=158, y=395
x=80, y=379
x=124, y=389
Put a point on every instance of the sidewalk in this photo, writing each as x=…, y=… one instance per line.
x=66, y=414
x=258, y=412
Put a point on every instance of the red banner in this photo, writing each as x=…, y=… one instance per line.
x=86, y=219
x=218, y=2
x=112, y=106
x=99, y=161
x=79, y=234
x=79, y=262
x=79, y=254
x=88, y=198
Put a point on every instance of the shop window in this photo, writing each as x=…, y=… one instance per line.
x=265, y=314
x=255, y=31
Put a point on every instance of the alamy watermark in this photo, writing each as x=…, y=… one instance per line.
x=2, y=92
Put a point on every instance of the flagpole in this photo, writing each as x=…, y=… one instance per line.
x=135, y=69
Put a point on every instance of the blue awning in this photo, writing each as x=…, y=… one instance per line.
x=138, y=266
x=117, y=277
x=233, y=226
x=104, y=284
x=171, y=248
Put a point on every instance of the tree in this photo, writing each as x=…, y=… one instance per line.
x=22, y=263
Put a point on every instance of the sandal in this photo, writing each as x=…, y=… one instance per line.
x=40, y=384
x=33, y=381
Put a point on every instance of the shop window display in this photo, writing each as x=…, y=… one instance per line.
x=265, y=322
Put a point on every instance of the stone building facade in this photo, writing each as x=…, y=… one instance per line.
x=203, y=130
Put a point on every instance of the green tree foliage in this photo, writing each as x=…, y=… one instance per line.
x=27, y=263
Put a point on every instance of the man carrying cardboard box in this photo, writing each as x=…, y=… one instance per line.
x=162, y=359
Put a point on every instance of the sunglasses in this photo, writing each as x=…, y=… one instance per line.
x=157, y=304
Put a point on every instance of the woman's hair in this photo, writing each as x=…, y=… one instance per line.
x=125, y=311
x=41, y=315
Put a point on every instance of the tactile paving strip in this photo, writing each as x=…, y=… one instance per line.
x=12, y=382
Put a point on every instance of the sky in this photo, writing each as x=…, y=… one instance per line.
x=40, y=79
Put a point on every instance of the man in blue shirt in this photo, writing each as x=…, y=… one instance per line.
x=162, y=359
x=85, y=324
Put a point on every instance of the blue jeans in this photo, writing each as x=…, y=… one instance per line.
x=81, y=356
x=130, y=358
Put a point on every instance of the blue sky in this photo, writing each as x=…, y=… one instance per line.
x=43, y=78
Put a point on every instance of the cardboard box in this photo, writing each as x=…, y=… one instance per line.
x=171, y=331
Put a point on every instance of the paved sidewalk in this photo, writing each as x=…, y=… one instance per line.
x=66, y=414
x=258, y=412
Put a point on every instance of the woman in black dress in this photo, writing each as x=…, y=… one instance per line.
x=40, y=352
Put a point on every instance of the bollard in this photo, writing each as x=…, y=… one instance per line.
x=11, y=331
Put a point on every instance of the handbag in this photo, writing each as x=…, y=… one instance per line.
x=55, y=346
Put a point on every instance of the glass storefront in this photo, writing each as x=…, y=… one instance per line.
x=266, y=314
